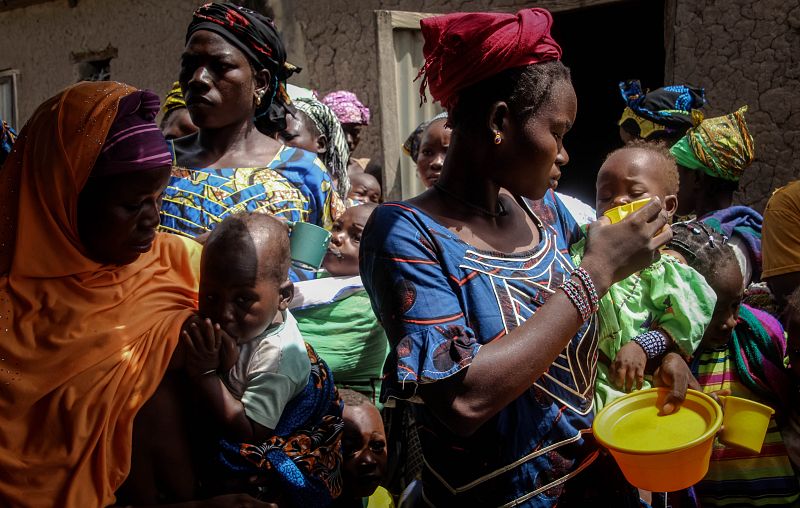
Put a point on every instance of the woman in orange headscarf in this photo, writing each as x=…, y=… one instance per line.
x=91, y=298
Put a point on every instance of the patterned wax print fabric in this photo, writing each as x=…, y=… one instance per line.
x=347, y=108
x=174, y=99
x=721, y=147
x=736, y=478
x=668, y=295
x=294, y=185
x=742, y=226
x=305, y=452
x=671, y=109
x=336, y=153
x=440, y=300
x=781, y=239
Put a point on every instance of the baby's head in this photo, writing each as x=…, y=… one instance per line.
x=709, y=254
x=244, y=271
x=363, y=446
x=342, y=256
x=364, y=188
x=636, y=171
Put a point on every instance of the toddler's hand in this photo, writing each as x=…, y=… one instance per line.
x=673, y=373
x=627, y=369
x=228, y=353
x=202, y=341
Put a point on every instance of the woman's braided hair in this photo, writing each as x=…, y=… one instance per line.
x=524, y=89
x=704, y=249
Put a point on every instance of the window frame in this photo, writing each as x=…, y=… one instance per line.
x=13, y=76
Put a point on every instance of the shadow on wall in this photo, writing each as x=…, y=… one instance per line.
x=603, y=46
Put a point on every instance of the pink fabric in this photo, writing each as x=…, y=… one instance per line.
x=347, y=107
x=462, y=49
x=134, y=142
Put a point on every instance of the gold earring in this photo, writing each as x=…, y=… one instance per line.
x=258, y=99
x=497, y=138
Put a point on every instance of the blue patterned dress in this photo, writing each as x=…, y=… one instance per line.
x=440, y=300
x=294, y=185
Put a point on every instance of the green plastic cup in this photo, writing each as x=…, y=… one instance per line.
x=309, y=243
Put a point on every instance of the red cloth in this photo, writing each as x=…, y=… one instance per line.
x=462, y=49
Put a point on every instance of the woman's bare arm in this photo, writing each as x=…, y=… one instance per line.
x=506, y=367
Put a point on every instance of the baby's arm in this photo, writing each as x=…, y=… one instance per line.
x=203, y=343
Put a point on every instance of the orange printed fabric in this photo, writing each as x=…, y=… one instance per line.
x=82, y=345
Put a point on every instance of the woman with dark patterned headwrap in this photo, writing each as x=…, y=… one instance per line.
x=664, y=114
x=233, y=73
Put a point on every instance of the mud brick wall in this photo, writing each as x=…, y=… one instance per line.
x=748, y=52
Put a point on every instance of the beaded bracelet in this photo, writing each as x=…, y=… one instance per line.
x=578, y=298
x=653, y=342
x=588, y=286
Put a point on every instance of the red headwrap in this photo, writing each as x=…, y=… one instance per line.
x=462, y=49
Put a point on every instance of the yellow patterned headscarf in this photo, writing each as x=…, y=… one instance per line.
x=721, y=146
x=646, y=127
x=174, y=99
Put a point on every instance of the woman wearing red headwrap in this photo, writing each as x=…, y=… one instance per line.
x=492, y=328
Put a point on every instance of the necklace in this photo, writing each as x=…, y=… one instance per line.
x=501, y=210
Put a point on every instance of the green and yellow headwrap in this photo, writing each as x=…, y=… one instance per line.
x=174, y=99
x=721, y=146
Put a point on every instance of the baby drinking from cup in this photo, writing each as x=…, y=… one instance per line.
x=663, y=307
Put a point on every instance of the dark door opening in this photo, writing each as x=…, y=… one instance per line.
x=602, y=46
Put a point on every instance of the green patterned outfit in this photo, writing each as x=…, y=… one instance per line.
x=668, y=295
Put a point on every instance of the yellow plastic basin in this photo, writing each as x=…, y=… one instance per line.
x=659, y=453
x=745, y=423
x=622, y=211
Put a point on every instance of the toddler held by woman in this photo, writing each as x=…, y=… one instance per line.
x=667, y=305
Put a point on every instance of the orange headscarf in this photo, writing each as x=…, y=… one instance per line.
x=82, y=345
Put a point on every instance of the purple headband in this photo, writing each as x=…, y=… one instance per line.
x=134, y=141
x=347, y=108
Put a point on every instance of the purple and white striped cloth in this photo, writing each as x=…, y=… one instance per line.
x=134, y=142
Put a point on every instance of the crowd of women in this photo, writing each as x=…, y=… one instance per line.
x=157, y=348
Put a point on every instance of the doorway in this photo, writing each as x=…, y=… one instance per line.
x=602, y=46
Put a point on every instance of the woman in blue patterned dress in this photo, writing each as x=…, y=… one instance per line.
x=232, y=72
x=491, y=326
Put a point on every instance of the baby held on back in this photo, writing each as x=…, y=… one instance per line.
x=665, y=307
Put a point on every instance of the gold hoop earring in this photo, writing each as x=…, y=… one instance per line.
x=497, y=138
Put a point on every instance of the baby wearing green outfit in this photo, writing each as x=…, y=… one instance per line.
x=664, y=307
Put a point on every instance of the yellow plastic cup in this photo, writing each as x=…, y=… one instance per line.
x=744, y=424
x=659, y=453
x=618, y=213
